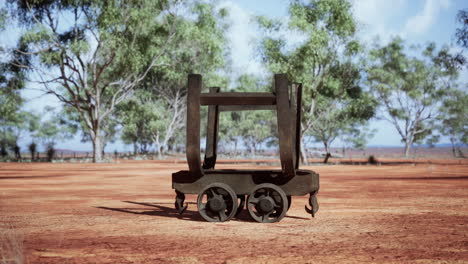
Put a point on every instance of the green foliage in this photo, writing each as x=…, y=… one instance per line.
x=13, y=126
x=454, y=118
x=462, y=32
x=98, y=52
x=410, y=88
x=323, y=17
x=156, y=114
x=3, y=18
x=138, y=121
x=325, y=61
x=50, y=130
x=252, y=128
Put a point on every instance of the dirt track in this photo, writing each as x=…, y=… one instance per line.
x=123, y=213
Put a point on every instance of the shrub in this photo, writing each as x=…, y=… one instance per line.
x=32, y=150
x=372, y=160
x=50, y=152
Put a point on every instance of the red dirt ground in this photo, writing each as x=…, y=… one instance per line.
x=123, y=213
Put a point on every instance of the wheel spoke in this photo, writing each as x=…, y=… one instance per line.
x=222, y=216
x=253, y=200
x=265, y=216
x=213, y=194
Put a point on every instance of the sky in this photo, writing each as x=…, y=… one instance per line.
x=416, y=21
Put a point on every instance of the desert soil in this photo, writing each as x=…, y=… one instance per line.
x=124, y=213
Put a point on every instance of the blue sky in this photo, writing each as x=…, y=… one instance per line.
x=416, y=21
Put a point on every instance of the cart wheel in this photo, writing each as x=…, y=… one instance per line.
x=267, y=203
x=241, y=203
x=289, y=201
x=217, y=202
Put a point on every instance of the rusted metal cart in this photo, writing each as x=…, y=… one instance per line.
x=222, y=193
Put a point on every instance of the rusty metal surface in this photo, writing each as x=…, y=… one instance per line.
x=296, y=108
x=285, y=130
x=193, y=124
x=226, y=108
x=237, y=99
x=211, y=134
x=222, y=188
x=242, y=181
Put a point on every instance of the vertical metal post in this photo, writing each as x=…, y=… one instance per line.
x=298, y=116
x=284, y=125
x=193, y=124
x=211, y=134
x=293, y=109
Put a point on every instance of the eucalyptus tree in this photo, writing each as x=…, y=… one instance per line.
x=454, y=120
x=411, y=88
x=252, y=128
x=11, y=82
x=92, y=54
x=324, y=59
x=10, y=106
x=138, y=118
x=200, y=47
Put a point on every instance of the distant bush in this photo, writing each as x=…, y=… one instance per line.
x=3, y=151
x=32, y=150
x=50, y=152
x=372, y=160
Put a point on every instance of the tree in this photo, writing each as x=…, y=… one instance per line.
x=324, y=61
x=50, y=131
x=454, y=118
x=254, y=128
x=11, y=82
x=162, y=99
x=462, y=32
x=137, y=119
x=356, y=137
x=92, y=54
x=411, y=88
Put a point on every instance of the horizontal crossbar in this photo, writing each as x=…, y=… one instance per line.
x=234, y=108
x=237, y=99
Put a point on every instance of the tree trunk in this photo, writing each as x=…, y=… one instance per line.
x=303, y=154
x=454, y=151
x=97, y=148
x=328, y=154
x=135, y=148
x=235, y=147
x=252, y=149
x=103, y=146
x=407, y=149
x=460, y=152
x=159, y=149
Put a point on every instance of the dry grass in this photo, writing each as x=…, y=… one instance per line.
x=11, y=246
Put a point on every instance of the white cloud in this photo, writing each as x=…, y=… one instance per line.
x=376, y=16
x=387, y=19
x=241, y=36
x=422, y=22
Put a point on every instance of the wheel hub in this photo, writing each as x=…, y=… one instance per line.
x=216, y=204
x=265, y=205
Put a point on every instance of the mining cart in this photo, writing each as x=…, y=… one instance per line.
x=222, y=193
